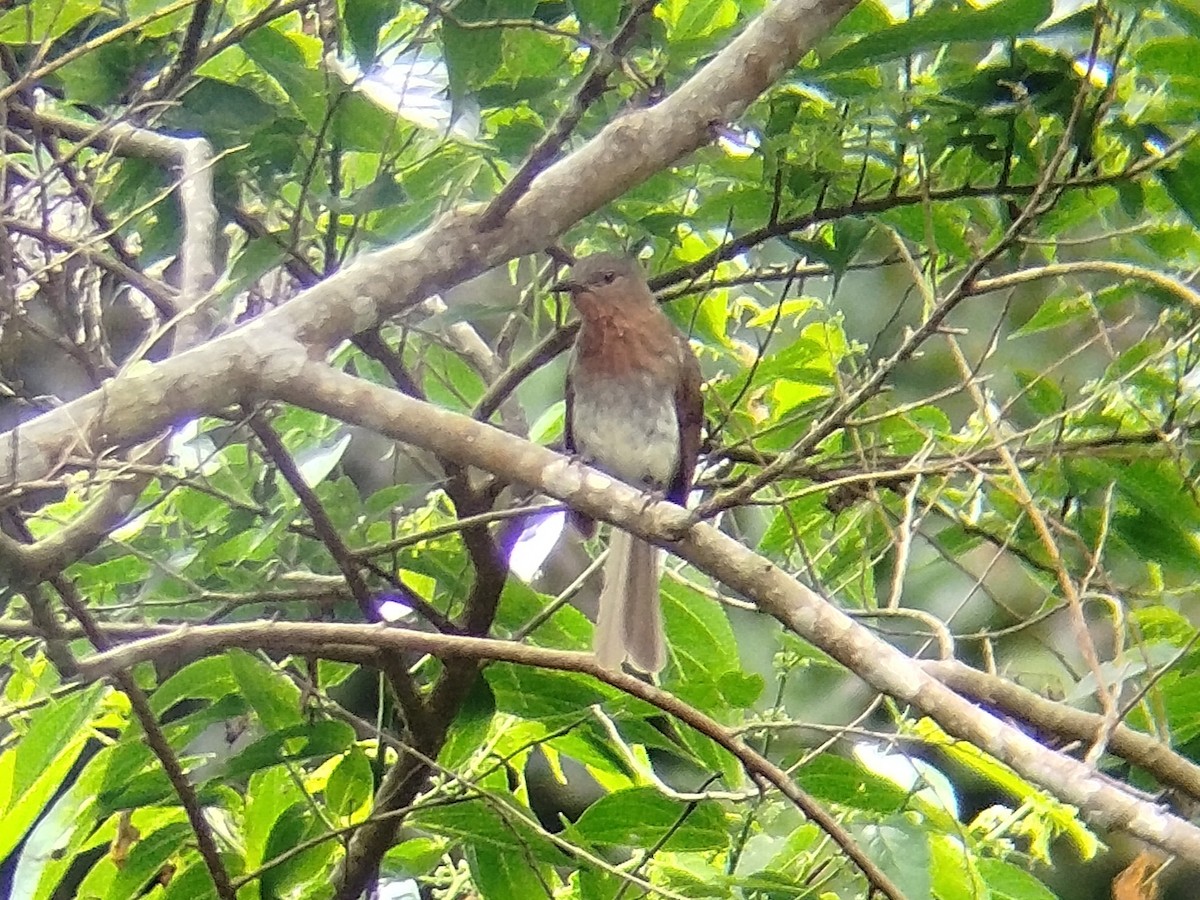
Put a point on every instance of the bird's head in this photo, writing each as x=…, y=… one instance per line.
x=605, y=277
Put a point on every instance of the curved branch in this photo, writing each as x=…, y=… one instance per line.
x=1141, y=749
x=311, y=638
x=1160, y=280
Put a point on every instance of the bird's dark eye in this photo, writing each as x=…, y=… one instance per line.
x=607, y=277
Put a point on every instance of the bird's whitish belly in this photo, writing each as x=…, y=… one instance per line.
x=627, y=428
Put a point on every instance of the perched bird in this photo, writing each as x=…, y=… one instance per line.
x=634, y=410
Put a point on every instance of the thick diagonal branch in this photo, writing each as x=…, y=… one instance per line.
x=799, y=608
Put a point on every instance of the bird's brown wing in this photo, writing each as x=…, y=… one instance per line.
x=689, y=410
x=568, y=431
x=583, y=524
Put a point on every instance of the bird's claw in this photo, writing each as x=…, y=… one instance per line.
x=672, y=532
x=677, y=531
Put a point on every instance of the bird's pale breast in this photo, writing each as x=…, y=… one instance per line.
x=627, y=426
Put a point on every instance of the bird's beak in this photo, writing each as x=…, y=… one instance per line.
x=565, y=285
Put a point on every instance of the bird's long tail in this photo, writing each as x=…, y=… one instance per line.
x=629, y=623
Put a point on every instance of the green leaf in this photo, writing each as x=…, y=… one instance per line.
x=415, y=857
x=257, y=257
x=1186, y=12
x=702, y=644
x=902, y=850
x=102, y=76
x=129, y=764
x=363, y=19
x=942, y=25
x=1169, y=55
x=689, y=20
x=946, y=225
x=480, y=824
x=289, y=59
x=1058, y=311
x=281, y=56
x=293, y=744
x=160, y=25
x=1182, y=181
x=1158, y=623
x=953, y=870
x=295, y=825
x=42, y=22
x=1043, y=396
x=56, y=732
x=643, y=817
x=599, y=17
x=206, y=679
x=351, y=784
x=1157, y=490
x=800, y=359
x=1008, y=882
x=51, y=846
x=1181, y=694
x=23, y=808
x=532, y=54
x=473, y=55
x=274, y=697
x=539, y=693
x=193, y=883
x=29, y=779
x=836, y=779
x=865, y=18
x=471, y=726
x=229, y=113
x=268, y=794
x=507, y=875
x=147, y=858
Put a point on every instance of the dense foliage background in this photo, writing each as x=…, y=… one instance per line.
x=939, y=279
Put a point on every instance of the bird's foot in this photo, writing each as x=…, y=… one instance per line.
x=677, y=531
x=576, y=460
x=673, y=532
